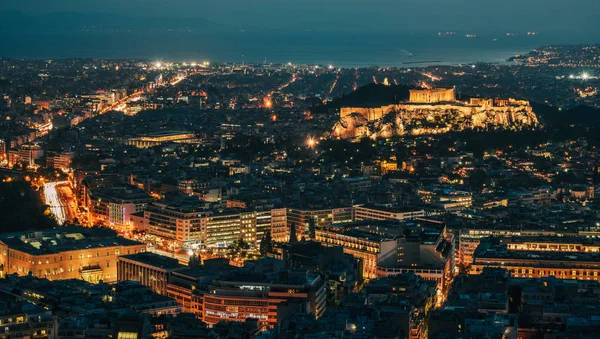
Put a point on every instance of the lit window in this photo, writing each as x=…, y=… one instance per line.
x=127, y=335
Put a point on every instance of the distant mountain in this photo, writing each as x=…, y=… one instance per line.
x=15, y=21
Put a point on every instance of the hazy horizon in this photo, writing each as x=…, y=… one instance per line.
x=478, y=16
x=350, y=33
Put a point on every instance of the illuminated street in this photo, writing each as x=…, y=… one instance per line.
x=52, y=199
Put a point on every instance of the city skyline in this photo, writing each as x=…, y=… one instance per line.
x=299, y=169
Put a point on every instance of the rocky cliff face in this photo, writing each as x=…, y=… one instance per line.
x=433, y=119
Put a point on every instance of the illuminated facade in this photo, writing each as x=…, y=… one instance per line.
x=183, y=287
x=113, y=206
x=189, y=224
x=300, y=218
x=27, y=155
x=235, y=299
x=150, y=269
x=155, y=139
x=469, y=239
x=383, y=213
x=451, y=202
x=224, y=229
x=366, y=247
x=388, y=248
x=387, y=167
x=175, y=223
x=20, y=320
x=60, y=160
x=279, y=225
x=431, y=95
x=216, y=296
x=563, y=258
x=66, y=253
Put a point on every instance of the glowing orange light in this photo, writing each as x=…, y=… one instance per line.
x=273, y=118
x=268, y=103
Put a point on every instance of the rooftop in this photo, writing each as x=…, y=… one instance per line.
x=392, y=209
x=60, y=239
x=155, y=260
x=499, y=251
x=114, y=194
x=382, y=230
x=163, y=134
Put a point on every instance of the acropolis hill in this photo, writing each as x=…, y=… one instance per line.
x=433, y=111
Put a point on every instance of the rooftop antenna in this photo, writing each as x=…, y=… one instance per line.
x=243, y=61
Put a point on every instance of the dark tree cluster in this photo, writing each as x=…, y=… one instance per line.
x=21, y=209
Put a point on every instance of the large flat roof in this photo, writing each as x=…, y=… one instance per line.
x=156, y=260
x=61, y=239
x=164, y=133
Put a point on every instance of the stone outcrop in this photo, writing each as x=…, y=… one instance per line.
x=417, y=118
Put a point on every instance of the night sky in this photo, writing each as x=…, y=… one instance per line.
x=575, y=16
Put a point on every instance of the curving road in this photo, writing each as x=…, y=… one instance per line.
x=53, y=200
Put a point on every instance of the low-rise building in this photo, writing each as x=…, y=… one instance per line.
x=150, y=269
x=364, y=212
x=537, y=257
x=193, y=224
x=389, y=247
x=301, y=218
x=113, y=206
x=65, y=253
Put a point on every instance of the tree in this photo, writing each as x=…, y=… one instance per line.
x=293, y=236
x=266, y=244
x=22, y=209
x=312, y=228
x=240, y=248
x=195, y=261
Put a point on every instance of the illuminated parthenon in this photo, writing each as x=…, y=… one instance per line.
x=440, y=109
x=431, y=95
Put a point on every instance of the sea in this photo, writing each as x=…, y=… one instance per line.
x=346, y=49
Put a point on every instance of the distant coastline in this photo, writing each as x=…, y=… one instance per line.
x=340, y=49
x=421, y=62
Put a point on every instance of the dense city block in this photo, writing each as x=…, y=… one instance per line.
x=158, y=199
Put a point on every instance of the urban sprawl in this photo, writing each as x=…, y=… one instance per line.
x=157, y=199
